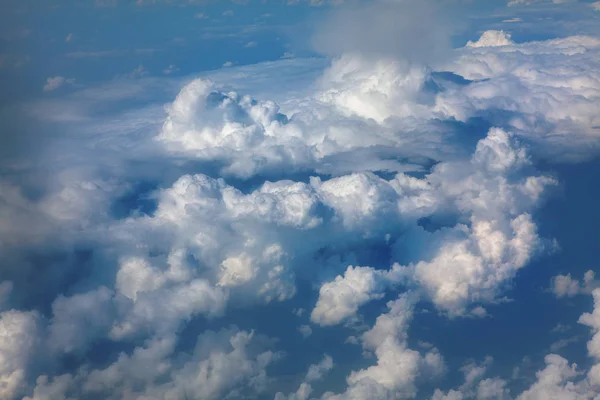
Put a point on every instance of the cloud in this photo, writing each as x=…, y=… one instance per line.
x=340, y=299
x=398, y=367
x=475, y=386
x=56, y=83
x=111, y=53
x=316, y=372
x=252, y=200
x=251, y=44
x=558, y=379
x=565, y=286
x=69, y=38
x=560, y=344
x=18, y=342
x=305, y=331
x=492, y=39
x=137, y=73
x=222, y=363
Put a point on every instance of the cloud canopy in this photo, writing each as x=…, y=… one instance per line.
x=364, y=224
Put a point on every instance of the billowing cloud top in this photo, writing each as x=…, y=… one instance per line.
x=170, y=252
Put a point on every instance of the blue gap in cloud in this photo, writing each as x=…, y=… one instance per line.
x=138, y=200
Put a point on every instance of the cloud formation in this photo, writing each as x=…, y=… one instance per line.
x=379, y=182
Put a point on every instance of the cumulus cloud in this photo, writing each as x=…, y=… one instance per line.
x=398, y=367
x=492, y=39
x=316, y=372
x=475, y=386
x=248, y=194
x=222, y=364
x=565, y=286
x=18, y=343
x=341, y=298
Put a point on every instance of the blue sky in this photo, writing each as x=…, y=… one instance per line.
x=293, y=200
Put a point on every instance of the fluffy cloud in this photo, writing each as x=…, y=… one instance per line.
x=398, y=367
x=341, y=298
x=564, y=73
x=492, y=39
x=224, y=363
x=316, y=372
x=565, y=286
x=18, y=343
x=467, y=263
x=475, y=386
x=381, y=156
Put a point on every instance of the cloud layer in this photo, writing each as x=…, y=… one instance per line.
x=380, y=184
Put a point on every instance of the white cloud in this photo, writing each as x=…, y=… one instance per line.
x=18, y=342
x=214, y=244
x=316, y=372
x=554, y=381
x=56, y=83
x=222, y=363
x=565, y=286
x=79, y=320
x=340, y=299
x=398, y=367
x=492, y=39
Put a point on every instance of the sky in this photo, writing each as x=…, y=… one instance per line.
x=301, y=199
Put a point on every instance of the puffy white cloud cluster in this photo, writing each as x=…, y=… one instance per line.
x=492, y=39
x=475, y=385
x=457, y=265
x=398, y=367
x=316, y=372
x=565, y=286
x=18, y=343
x=558, y=380
x=548, y=89
x=457, y=233
x=223, y=364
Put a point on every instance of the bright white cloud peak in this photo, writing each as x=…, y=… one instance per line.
x=406, y=179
